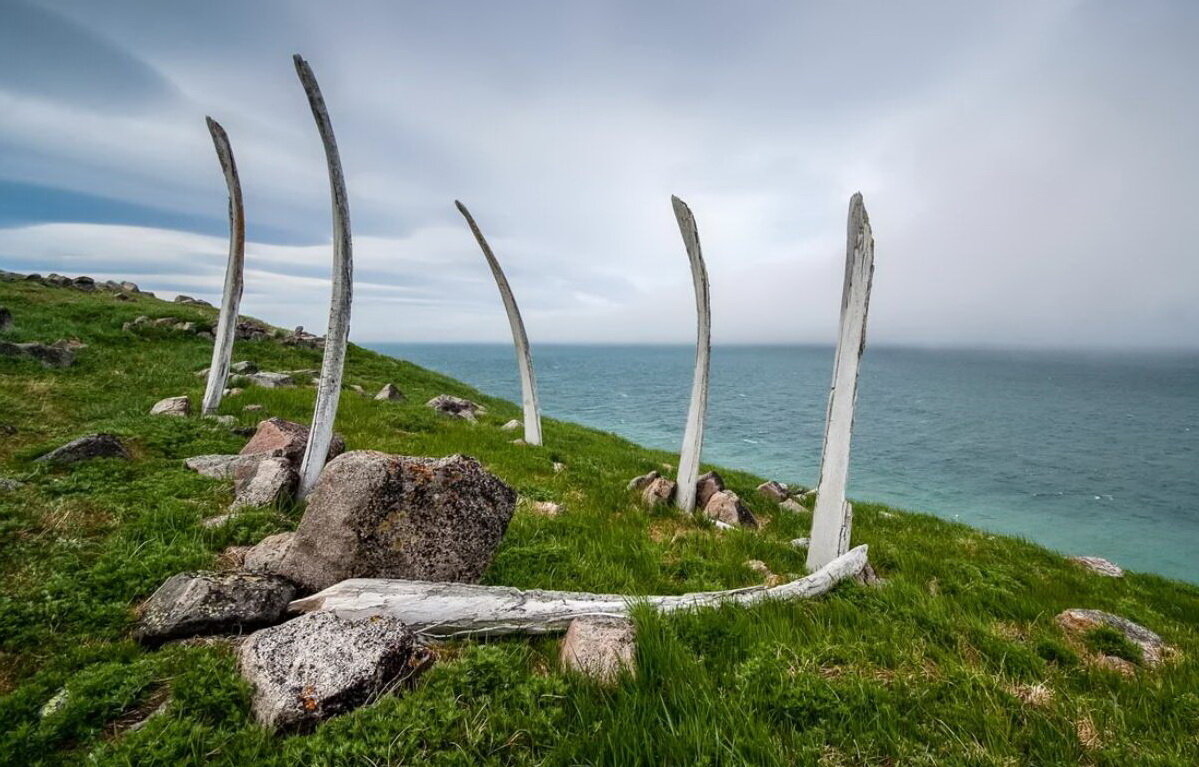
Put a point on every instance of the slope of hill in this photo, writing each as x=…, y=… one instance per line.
x=956, y=659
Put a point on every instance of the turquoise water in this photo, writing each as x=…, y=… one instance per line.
x=1085, y=453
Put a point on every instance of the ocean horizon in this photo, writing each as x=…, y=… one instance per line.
x=1087, y=452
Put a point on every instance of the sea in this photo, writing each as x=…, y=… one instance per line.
x=1087, y=453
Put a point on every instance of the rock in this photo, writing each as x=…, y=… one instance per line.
x=519, y=441
x=269, y=380
x=185, y=327
x=658, y=491
x=642, y=482
x=512, y=425
x=726, y=506
x=320, y=665
x=1099, y=565
x=219, y=520
x=299, y=338
x=390, y=392
x=1152, y=647
x=600, y=647
x=705, y=486
x=775, y=491
x=286, y=439
x=243, y=367
x=265, y=556
x=374, y=515
x=232, y=392
x=546, y=508
x=86, y=448
x=358, y=389
x=219, y=466
x=130, y=286
x=55, y=704
x=263, y=483
x=86, y=284
x=793, y=506
x=759, y=567
x=455, y=406
x=233, y=557
x=50, y=356
x=73, y=344
x=8, y=484
x=800, y=543
x=182, y=299
x=163, y=322
x=176, y=406
x=559, y=467
x=252, y=408
x=188, y=604
x=227, y=421
x=5, y=319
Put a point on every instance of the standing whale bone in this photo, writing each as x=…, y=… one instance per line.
x=328, y=391
x=524, y=358
x=465, y=609
x=693, y=437
x=226, y=327
x=833, y=516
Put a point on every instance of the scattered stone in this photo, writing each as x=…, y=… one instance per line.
x=707, y=485
x=174, y=406
x=869, y=576
x=219, y=520
x=547, y=508
x=800, y=543
x=265, y=556
x=205, y=335
x=253, y=408
x=219, y=466
x=123, y=297
x=232, y=392
x=73, y=344
x=86, y=284
x=185, y=327
x=374, y=515
x=642, y=482
x=559, y=467
x=263, y=483
x=793, y=506
x=759, y=567
x=1153, y=649
x=162, y=322
x=8, y=484
x=188, y=604
x=5, y=319
x=299, y=338
x=659, y=491
x=1099, y=565
x=49, y=356
x=726, y=506
x=455, y=406
x=268, y=380
x=286, y=439
x=243, y=367
x=775, y=491
x=182, y=299
x=233, y=557
x=320, y=665
x=519, y=441
x=55, y=704
x=808, y=494
x=357, y=388
x=227, y=421
x=599, y=646
x=390, y=392
x=86, y=448
x=512, y=425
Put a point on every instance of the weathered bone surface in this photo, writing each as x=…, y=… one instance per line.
x=459, y=609
x=226, y=327
x=693, y=437
x=329, y=390
x=833, y=516
x=524, y=358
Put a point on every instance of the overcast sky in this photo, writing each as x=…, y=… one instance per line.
x=1031, y=169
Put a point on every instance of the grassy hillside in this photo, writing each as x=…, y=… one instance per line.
x=955, y=660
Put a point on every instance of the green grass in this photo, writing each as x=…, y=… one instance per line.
x=930, y=669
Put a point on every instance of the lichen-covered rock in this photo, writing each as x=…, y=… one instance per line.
x=642, y=482
x=1077, y=620
x=264, y=482
x=374, y=515
x=793, y=506
x=600, y=647
x=176, y=406
x=87, y=448
x=269, y=380
x=49, y=356
x=319, y=665
x=1099, y=566
x=707, y=485
x=265, y=556
x=189, y=604
x=726, y=506
x=219, y=466
x=775, y=491
x=390, y=393
x=286, y=439
x=455, y=406
x=658, y=492
x=243, y=367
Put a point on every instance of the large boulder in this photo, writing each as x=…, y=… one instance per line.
x=285, y=439
x=189, y=604
x=176, y=406
x=706, y=486
x=320, y=665
x=264, y=482
x=374, y=515
x=265, y=556
x=1153, y=649
x=455, y=406
x=49, y=356
x=726, y=506
x=220, y=466
x=86, y=448
x=599, y=646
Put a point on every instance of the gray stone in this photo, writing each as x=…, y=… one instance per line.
x=227, y=421
x=269, y=380
x=1153, y=649
x=263, y=483
x=189, y=604
x=800, y=543
x=642, y=482
x=600, y=647
x=320, y=665
x=1099, y=566
x=86, y=284
x=390, y=392
x=374, y=515
x=793, y=506
x=243, y=367
x=182, y=299
x=219, y=466
x=49, y=356
x=659, y=491
x=455, y=406
x=266, y=555
x=706, y=486
x=775, y=491
x=286, y=439
x=253, y=408
x=185, y=327
x=176, y=406
x=8, y=484
x=219, y=520
x=512, y=425
x=726, y=506
x=86, y=448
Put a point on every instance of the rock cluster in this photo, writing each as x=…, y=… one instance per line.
x=83, y=283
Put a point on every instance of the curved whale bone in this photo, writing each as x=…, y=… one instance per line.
x=693, y=436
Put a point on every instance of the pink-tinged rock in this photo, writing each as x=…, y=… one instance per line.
x=600, y=647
